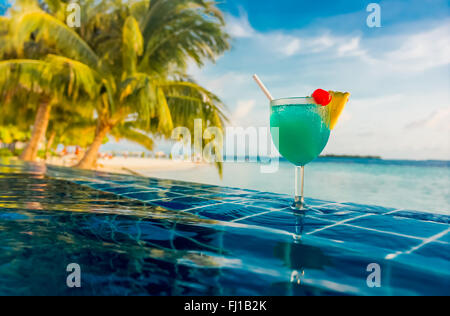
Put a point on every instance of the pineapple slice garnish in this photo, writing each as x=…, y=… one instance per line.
x=337, y=104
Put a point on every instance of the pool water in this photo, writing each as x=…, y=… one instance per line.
x=142, y=236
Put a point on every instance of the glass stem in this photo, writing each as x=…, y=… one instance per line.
x=299, y=182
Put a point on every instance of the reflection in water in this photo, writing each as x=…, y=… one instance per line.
x=299, y=224
x=127, y=247
x=299, y=257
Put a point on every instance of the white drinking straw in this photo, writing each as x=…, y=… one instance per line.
x=263, y=87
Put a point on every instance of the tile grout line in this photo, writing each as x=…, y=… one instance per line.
x=262, y=213
x=201, y=194
x=254, y=215
x=372, y=229
x=394, y=211
x=231, y=194
x=384, y=232
x=322, y=219
x=186, y=186
x=424, y=243
x=338, y=223
x=200, y=207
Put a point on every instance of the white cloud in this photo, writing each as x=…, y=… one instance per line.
x=351, y=48
x=399, y=84
x=239, y=27
x=321, y=42
x=244, y=107
x=437, y=120
x=405, y=53
x=223, y=83
x=289, y=44
x=292, y=47
x=422, y=51
x=378, y=102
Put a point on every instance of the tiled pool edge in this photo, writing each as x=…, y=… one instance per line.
x=98, y=178
x=102, y=180
x=263, y=205
x=345, y=232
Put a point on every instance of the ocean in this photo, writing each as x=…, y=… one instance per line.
x=410, y=185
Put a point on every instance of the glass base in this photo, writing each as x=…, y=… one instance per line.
x=299, y=207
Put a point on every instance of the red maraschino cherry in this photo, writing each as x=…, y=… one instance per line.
x=322, y=97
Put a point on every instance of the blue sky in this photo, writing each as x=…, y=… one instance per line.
x=398, y=74
x=3, y=6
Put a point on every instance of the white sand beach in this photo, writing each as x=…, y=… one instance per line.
x=131, y=165
x=144, y=165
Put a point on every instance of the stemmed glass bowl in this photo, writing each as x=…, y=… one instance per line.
x=300, y=130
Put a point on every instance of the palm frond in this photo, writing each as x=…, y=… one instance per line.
x=31, y=75
x=78, y=76
x=57, y=77
x=177, y=31
x=128, y=132
x=133, y=44
x=189, y=100
x=41, y=26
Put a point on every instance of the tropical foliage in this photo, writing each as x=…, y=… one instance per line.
x=122, y=73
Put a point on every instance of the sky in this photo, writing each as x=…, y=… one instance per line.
x=398, y=74
x=3, y=6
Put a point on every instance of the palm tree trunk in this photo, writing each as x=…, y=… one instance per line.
x=39, y=128
x=49, y=145
x=90, y=157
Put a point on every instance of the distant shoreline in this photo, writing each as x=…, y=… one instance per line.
x=350, y=156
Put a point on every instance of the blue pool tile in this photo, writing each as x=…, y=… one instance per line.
x=141, y=184
x=183, y=203
x=435, y=257
x=313, y=202
x=187, y=190
x=367, y=241
x=12, y=216
x=445, y=238
x=102, y=186
x=371, y=243
x=435, y=251
x=336, y=214
x=227, y=211
x=367, y=208
x=231, y=191
x=124, y=190
x=274, y=204
x=439, y=218
x=85, y=182
x=400, y=225
x=152, y=195
x=287, y=221
x=268, y=196
x=222, y=197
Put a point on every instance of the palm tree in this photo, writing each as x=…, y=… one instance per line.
x=134, y=58
x=70, y=126
x=148, y=51
x=28, y=64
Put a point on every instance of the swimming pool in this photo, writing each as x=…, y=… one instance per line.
x=144, y=236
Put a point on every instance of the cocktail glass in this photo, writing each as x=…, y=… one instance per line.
x=303, y=130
